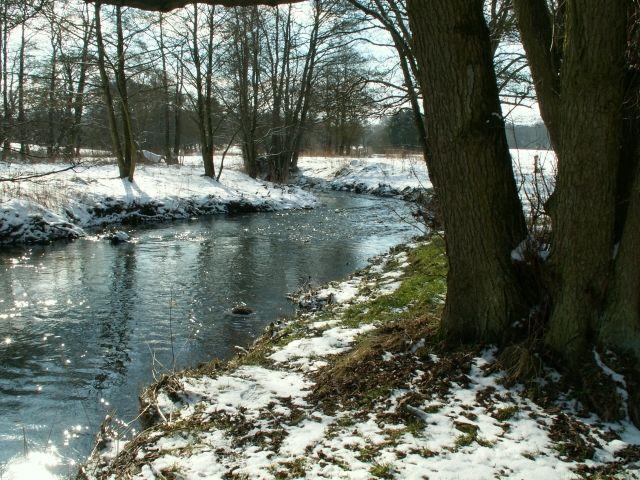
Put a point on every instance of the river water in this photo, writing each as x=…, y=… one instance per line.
x=84, y=326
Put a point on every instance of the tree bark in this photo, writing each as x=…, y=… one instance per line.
x=470, y=167
x=620, y=328
x=583, y=220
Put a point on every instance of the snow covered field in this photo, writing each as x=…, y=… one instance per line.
x=453, y=418
x=377, y=175
x=65, y=205
x=405, y=177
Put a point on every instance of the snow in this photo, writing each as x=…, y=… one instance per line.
x=302, y=352
x=384, y=176
x=346, y=292
x=152, y=157
x=249, y=387
x=66, y=204
x=24, y=221
x=407, y=177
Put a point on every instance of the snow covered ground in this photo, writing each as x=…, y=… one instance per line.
x=406, y=177
x=64, y=205
x=377, y=175
x=260, y=417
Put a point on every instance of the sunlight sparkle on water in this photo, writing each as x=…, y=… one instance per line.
x=35, y=465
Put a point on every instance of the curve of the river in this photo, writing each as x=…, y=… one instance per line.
x=83, y=326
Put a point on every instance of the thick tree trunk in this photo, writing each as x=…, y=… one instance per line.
x=583, y=213
x=470, y=166
x=620, y=329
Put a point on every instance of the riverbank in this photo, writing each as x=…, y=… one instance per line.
x=69, y=204
x=405, y=178
x=357, y=385
x=89, y=323
x=408, y=178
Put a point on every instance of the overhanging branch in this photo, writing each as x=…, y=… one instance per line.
x=167, y=5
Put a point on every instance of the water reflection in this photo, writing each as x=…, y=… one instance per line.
x=84, y=326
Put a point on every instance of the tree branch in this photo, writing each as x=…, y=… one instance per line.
x=167, y=5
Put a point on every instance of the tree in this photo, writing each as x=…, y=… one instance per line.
x=470, y=167
x=402, y=129
x=587, y=105
x=290, y=93
x=125, y=154
x=204, y=87
x=168, y=154
x=245, y=48
x=108, y=98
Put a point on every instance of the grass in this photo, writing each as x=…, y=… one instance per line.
x=420, y=291
x=504, y=414
x=409, y=314
x=382, y=470
x=292, y=469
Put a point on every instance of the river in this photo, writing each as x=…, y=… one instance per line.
x=84, y=326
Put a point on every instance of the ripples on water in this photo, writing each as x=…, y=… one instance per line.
x=84, y=326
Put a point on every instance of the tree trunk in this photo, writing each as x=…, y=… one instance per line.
x=177, y=130
x=165, y=91
x=536, y=31
x=208, y=96
x=21, y=115
x=51, y=112
x=78, y=104
x=620, y=329
x=583, y=213
x=108, y=98
x=7, y=116
x=130, y=150
x=470, y=167
x=201, y=101
x=246, y=70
